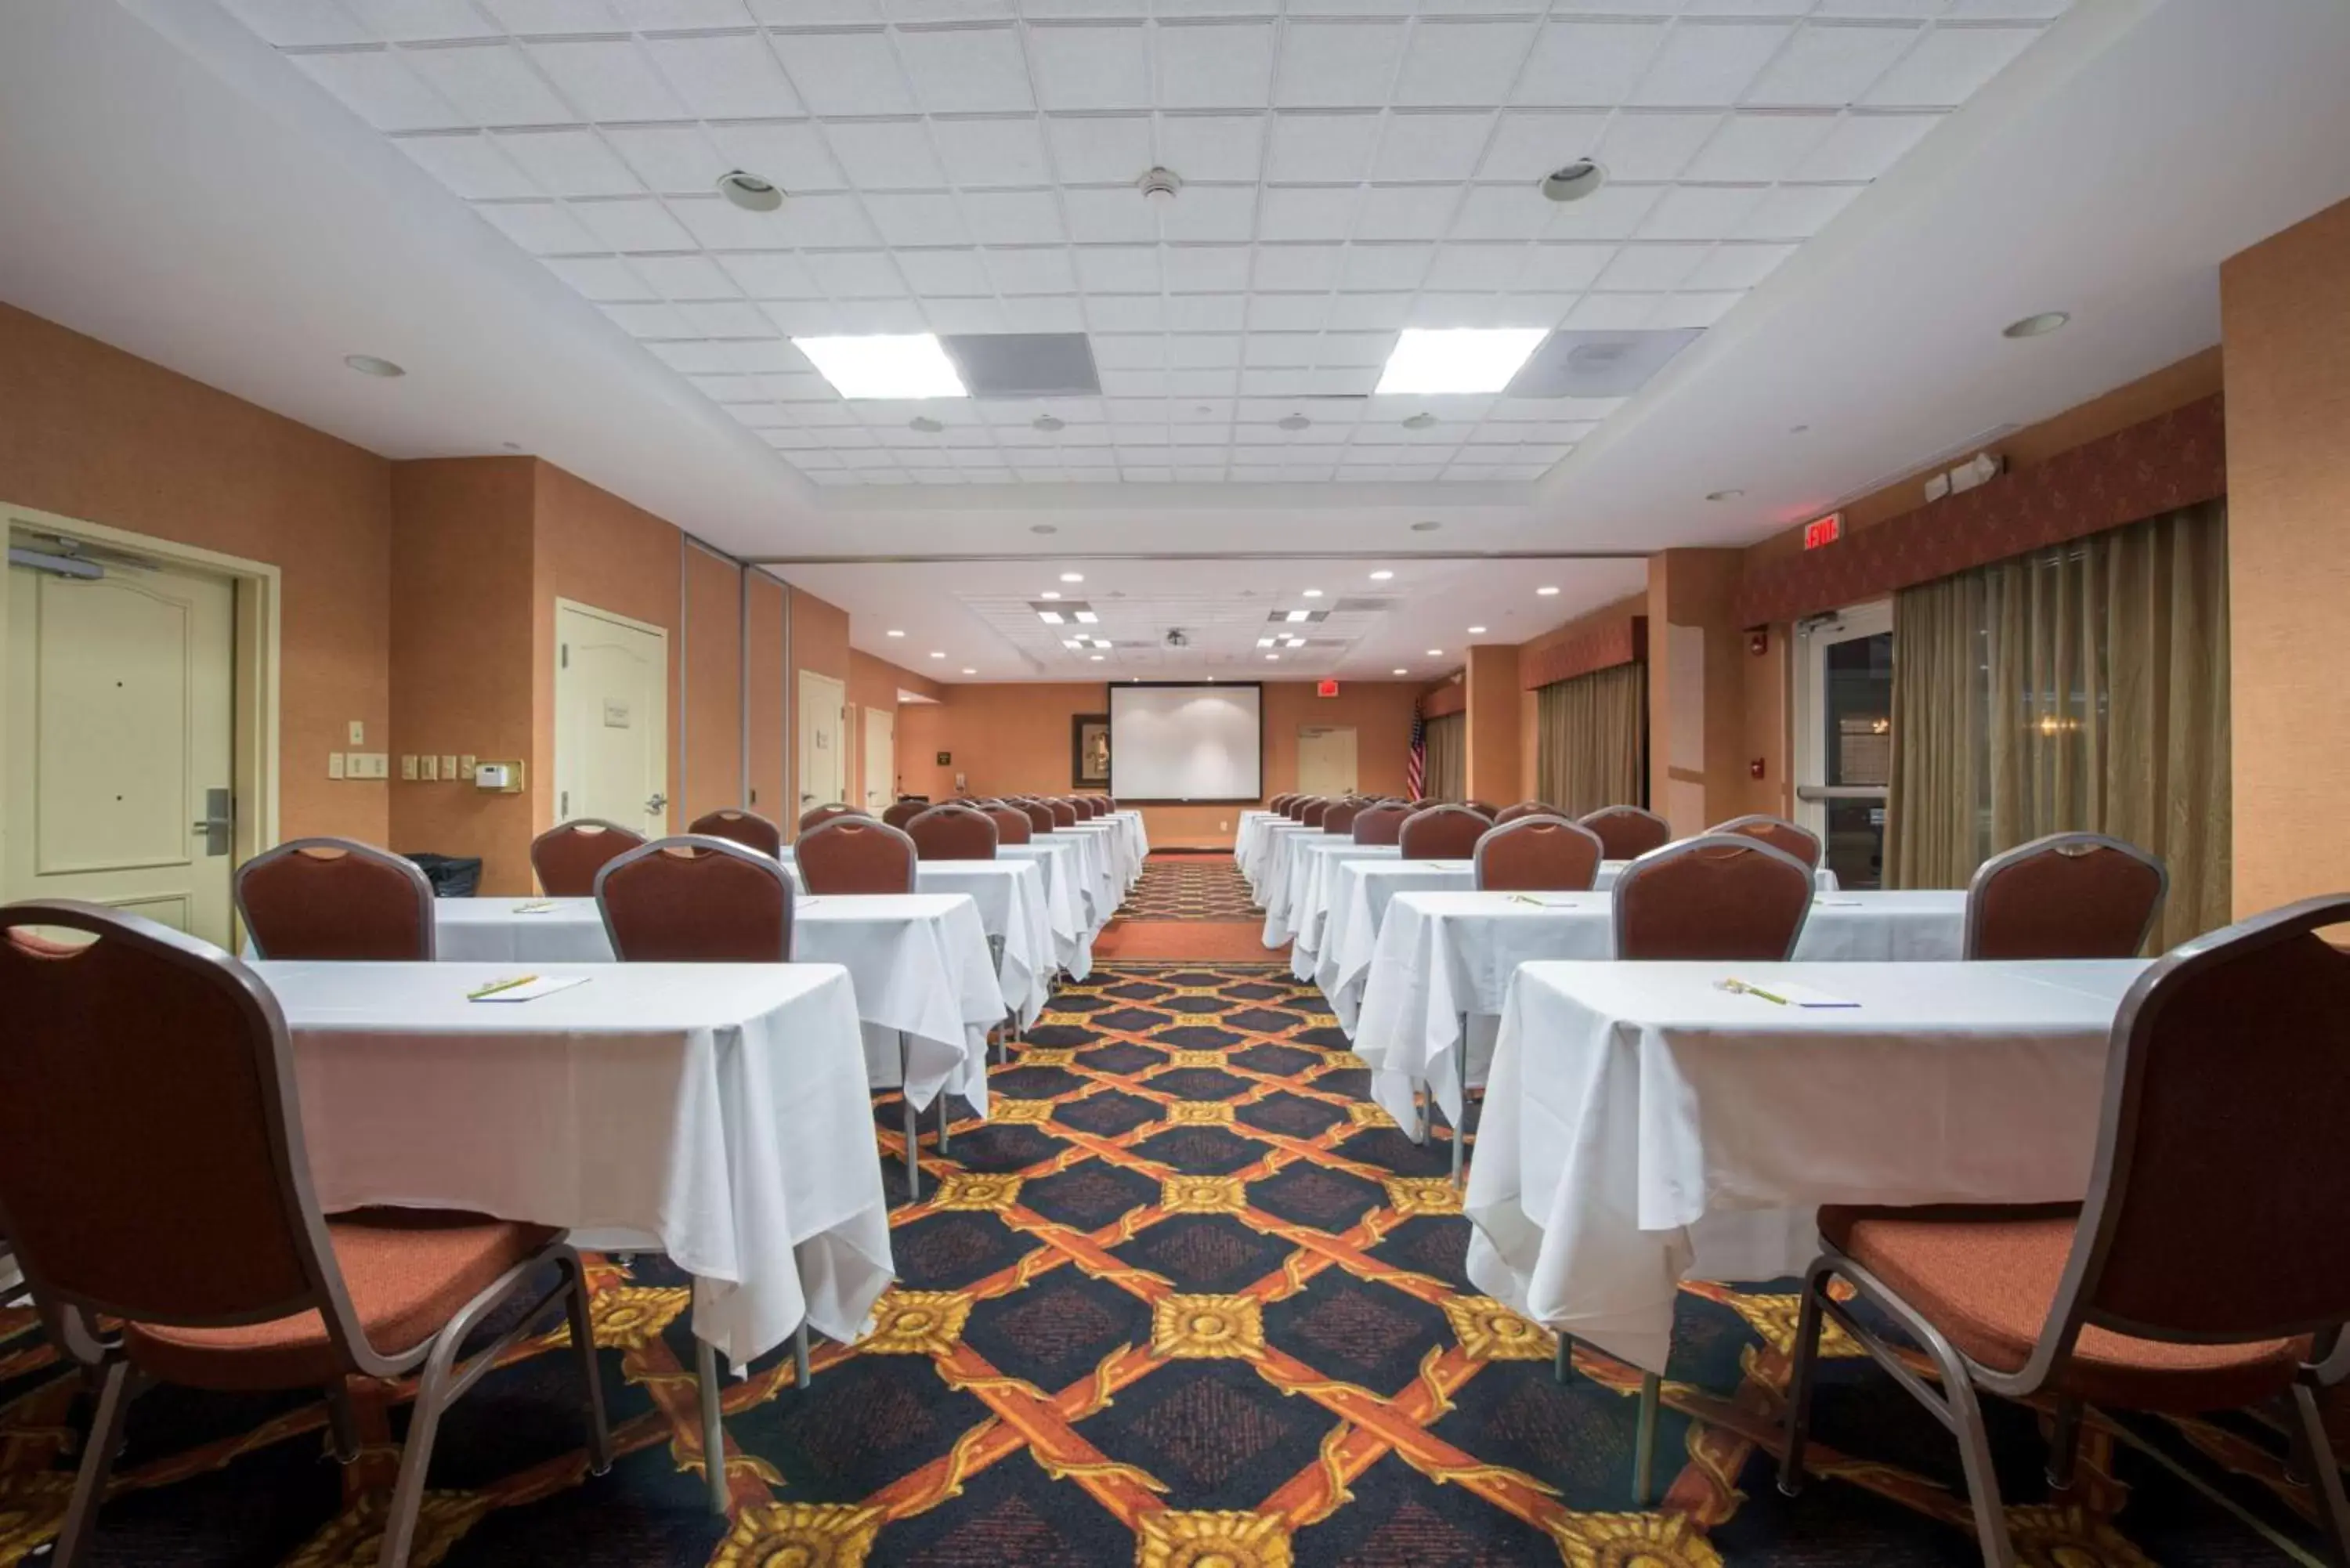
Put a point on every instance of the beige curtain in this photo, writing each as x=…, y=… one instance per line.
x=1447, y=740
x=1588, y=734
x=2080, y=688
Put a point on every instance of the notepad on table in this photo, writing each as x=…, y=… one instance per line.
x=1809, y=996
x=524, y=987
x=537, y=907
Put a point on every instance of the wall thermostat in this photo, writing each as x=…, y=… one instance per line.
x=504, y=778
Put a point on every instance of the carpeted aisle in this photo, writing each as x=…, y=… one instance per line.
x=1191, y=908
x=1187, y=1300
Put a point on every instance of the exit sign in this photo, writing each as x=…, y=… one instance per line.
x=1827, y=530
x=1325, y=689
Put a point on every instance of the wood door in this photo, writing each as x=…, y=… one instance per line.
x=880, y=758
x=611, y=718
x=824, y=775
x=1325, y=759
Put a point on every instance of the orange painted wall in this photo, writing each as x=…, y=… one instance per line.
x=92, y=433
x=713, y=685
x=873, y=685
x=2285, y=314
x=461, y=655
x=764, y=694
x=1496, y=724
x=1009, y=739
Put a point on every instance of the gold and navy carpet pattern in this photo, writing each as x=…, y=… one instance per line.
x=1191, y=888
x=1188, y=1300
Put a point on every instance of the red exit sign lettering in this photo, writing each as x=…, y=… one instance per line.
x=1827, y=530
x=1325, y=689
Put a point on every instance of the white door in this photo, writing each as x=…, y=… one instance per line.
x=823, y=778
x=611, y=718
x=119, y=735
x=880, y=758
x=1325, y=759
x=1844, y=737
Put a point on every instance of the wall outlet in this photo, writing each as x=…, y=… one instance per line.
x=366, y=766
x=334, y=765
x=359, y=732
x=408, y=766
x=448, y=767
x=465, y=769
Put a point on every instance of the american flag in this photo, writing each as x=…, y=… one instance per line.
x=1415, y=766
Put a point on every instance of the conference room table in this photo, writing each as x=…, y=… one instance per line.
x=1264, y=850
x=1247, y=829
x=1014, y=910
x=925, y=989
x=1356, y=892
x=714, y=1113
x=1643, y=1126
x=1068, y=913
x=1098, y=874
x=1444, y=962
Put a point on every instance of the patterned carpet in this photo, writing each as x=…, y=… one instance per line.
x=1191, y=888
x=1187, y=1300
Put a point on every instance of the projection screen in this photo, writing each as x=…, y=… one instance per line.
x=1173, y=743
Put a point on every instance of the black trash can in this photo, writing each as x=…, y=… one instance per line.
x=451, y=876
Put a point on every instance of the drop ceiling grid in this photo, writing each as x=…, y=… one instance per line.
x=944, y=179
x=1220, y=627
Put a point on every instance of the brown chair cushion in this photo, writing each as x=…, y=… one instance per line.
x=1986, y=1278
x=1627, y=831
x=747, y=829
x=568, y=858
x=407, y=1273
x=331, y=901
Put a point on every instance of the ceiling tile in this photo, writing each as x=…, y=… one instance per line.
x=1949, y=66
x=668, y=158
x=1013, y=217
x=1680, y=310
x=917, y=219
x=471, y=165
x=407, y=21
x=1700, y=211
x=1206, y=312
x=1118, y=269
x=1323, y=148
x=1432, y=147
x=1203, y=350
x=1096, y=150
x=604, y=279
x=380, y=89
x=1218, y=65
x=644, y=321
x=1528, y=144
x=299, y=23
x=1568, y=267
x=854, y=275
x=1217, y=212
x=570, y=163
x=1760, y=148
x=1795, y=212
x=1707, y=64
x=1213, y=147
x=693, y=276
x=1205, y=269
x=1610, y=313
x=1478, y=266
x=1405, y=212
x=771, y=274
x=1367, y=312
x=1864, y=146
x=1640, y=147
x=1334, y=64
x=846, y=73
x=946, y=316
x=1611, y=212
x=1502, y=213
x=1831, y=65
x=726, y=76
x=607, y=81
x=1126, y=313
x=1098, y=216
x=1089, y=67
x=1651, y=268
x=653, y=16
x=727, y=318
x=792, y=155
x=823, y=219
x=1575, y=62
x=633, y=223
x=885, y=154
x=1297, y=268
x=994, y=152
x=1737, y=267
x=966, y=70
x=1462, y=63
x=1308, y=212
x=1041, y=270
x=1287, y=312
x=1371, y=269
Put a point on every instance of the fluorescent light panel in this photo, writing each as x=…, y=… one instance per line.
x=1458, y=359
x=909, y=364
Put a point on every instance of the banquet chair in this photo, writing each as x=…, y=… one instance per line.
x=1011, y=824
x=698, y=898
x=1717, y=896
x=1441, y=833
x=568, y=855
x=1040, y=816
x=1311, y=813
x=904, y=811
x=818, y=815
x=953, y=833
x=2196, y=1275
x=1481, y=809
x=1510, y=814
x=336, y=898
x=1295, y=809
x=1064, y=814
x=1277, y=802
x=856, y=855
x=1627, y=831
x=2066, y=896
x=1538, y=855
x=1379, y=823
x=747, y=829
x=1787, y=837
x=153, y=1169
x=1095, y=805
x=1339, y=816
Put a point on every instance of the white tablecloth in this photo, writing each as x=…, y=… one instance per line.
x=1298, y=900
x=1643, y=1126
x=1359, y=897
x=1264, y=852
x=715, y=1112
x=1065, y=899
x=1246, y=830
x=1097, y=877
x=919, y=962
x=1120, y=865
x=1010, y=896
x=1441, y=956
x=1137, y=834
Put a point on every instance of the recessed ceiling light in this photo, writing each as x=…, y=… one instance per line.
x=935, y=654
x=1573, y=181
x=1312, y=593
x=1426, y=527
x=1043, y=528
x=1048, y=423
x=1293, y=422
x=369, y=365
x=1402, y=672
x=1159, y=187
x=1296, y=615
x=924, y=423
x=1072, y=576
x=1095, y=657
x=1050, y=617
x=885, y=365
x=1724, y=495
x=1088, y=618
x=1381, y=576
x=1050, y=594
x=1419, y=422
x=1476, y=631
x=2039, y=325
x=1547, y=591
x=1436, y=653
x=967, y=669
x=893, y=632
x=748, y=192
x=1273, y=659
x=1458, y=359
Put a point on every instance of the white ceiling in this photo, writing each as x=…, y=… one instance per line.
x=1350, y=168
x=965, y=621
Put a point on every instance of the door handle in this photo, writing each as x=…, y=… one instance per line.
x=656, y=806
x=218, y=822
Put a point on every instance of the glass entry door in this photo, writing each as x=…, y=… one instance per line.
x=1844, y=737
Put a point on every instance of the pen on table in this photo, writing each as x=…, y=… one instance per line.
x=1744, y=988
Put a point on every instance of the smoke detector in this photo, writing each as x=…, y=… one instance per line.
x=1159, y=186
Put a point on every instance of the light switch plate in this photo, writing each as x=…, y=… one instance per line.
x=448, y=767
x=359, y=732
x=428, y=768
x=408, y=766
x=368, y=765
x=334, y=765
x=465, y=768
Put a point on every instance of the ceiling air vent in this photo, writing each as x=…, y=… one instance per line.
x=1024, y=364
x=1361, y=607
x=1598, y=364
